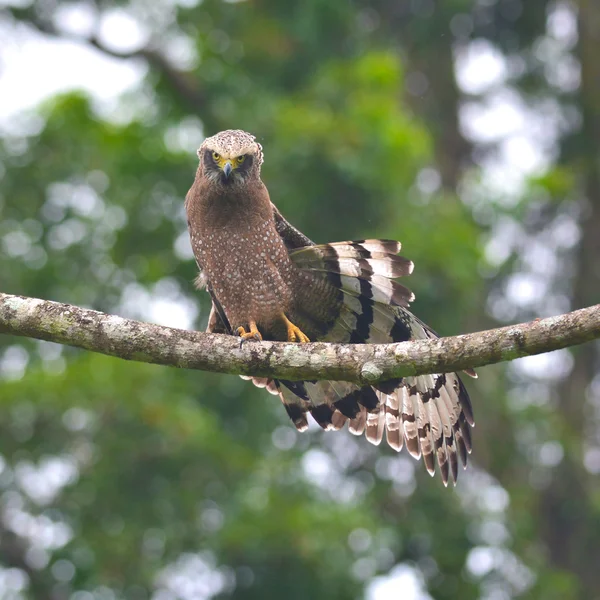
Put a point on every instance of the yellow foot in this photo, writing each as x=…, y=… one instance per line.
x=293, y=332
x=253, y=334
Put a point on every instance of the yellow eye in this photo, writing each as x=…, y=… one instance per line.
x=216, y=156
x=241, y=159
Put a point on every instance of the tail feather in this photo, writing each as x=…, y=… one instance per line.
x=429, y=414
x=424, y=430
x=357, y=424
x=409, y=421
x=437, y=437
x=338, y=420
x=375, y=425
x=462, y=448
x=449, y=440
x=393, y=422
x=296, y=403
x=323, y=395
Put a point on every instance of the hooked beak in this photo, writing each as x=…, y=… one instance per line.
x=227, y=168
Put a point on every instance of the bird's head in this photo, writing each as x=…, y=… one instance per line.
x=231, y=157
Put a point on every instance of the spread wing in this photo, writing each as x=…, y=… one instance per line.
x=430, y=414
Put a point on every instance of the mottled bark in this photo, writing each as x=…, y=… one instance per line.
x=133, y=340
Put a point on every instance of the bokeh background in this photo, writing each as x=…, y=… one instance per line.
x=469, y=130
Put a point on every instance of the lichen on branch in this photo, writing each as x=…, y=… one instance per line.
x=361, y=363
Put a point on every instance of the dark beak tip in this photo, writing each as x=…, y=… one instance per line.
x=227, y=170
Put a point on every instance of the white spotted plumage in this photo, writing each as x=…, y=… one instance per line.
x=255, y=262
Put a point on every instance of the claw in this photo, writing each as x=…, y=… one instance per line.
x=294, y=333
x=253, y=334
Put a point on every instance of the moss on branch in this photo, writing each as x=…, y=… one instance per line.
x=133, y=340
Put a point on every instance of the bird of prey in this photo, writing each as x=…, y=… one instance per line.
x=268, y=281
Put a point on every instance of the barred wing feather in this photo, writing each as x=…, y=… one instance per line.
x=430, y=414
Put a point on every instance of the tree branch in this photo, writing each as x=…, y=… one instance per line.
x=144, y=342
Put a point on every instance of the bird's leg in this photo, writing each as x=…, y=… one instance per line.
x=293, y=332
x=253, y=334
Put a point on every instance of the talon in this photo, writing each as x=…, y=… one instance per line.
x=294, y=333
x=253, y=334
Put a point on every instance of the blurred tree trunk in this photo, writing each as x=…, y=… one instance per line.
x=568, y=503
x=439, y=107
x=431, y=90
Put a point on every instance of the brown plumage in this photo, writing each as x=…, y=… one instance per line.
x=269, y=281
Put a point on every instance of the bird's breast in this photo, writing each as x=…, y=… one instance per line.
x=248, y=268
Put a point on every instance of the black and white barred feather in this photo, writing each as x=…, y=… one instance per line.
x=429, y=414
